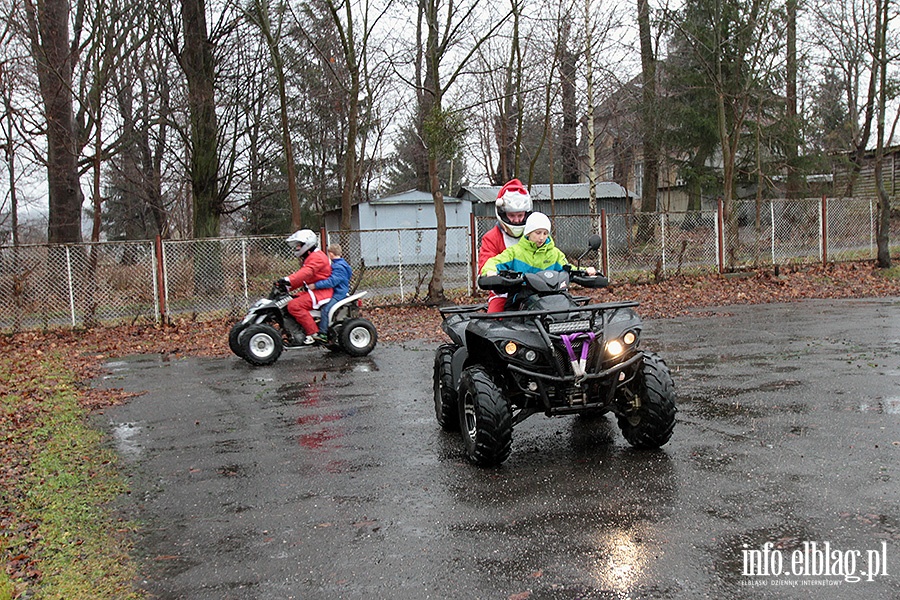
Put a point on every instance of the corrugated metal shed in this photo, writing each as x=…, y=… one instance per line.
x=400, y=228
x=567, y=198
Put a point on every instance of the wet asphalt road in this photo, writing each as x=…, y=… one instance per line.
x=327, y=477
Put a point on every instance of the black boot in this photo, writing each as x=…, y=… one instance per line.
x=295, y=333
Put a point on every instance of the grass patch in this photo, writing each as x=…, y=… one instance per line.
x=60, y=536
x=893, y=273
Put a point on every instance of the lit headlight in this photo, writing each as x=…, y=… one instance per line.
x=629, y=338
x=614, y=348
x=510, y=348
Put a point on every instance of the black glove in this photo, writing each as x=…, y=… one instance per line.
x=282, y=284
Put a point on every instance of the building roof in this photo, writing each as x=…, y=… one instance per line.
x=412, y=197
x=561, y=191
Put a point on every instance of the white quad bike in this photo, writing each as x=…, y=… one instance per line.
x=268, y=329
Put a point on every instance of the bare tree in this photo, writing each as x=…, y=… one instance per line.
x=356, y=46
x=260, y=15
x=55, y=54
x=197, y=61
x=649, y=127
x=854, y=36
x=882, y=23
x=444, y=25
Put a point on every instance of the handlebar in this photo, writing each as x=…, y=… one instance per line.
x=508, y=280
x=589, y=281
x=503, y=280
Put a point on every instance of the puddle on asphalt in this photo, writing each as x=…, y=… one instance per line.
x=890, y=406
x=711, y=458
x=123, y=434
x=710, y=409
x=360, y=366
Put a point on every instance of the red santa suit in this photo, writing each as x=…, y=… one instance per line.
x=316, y=267
x=493, y=243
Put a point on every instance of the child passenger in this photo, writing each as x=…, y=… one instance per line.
x=534, y=252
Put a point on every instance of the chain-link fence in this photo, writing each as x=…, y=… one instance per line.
x=43, y=286
x=46, y=286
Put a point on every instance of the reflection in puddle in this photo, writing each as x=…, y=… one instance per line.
x=623, y=562
x=890, y=406
x=122, y=435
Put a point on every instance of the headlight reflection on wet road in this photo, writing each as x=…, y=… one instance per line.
x=621, y=560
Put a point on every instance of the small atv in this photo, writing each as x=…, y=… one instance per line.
x=268, y=329
x=553, y=353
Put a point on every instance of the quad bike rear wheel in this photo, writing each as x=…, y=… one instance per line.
x=485, y=418
x=446, y=407
x=649, y=419
x=261, y=344
x=234, y=337
x=358, y=337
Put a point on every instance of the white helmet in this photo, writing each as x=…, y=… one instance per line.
x=512, y=197
x=303, y=241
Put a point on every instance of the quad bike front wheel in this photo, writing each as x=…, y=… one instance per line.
x=446, y=408
x=485, y=418
x=649, y=417
x=234, y=337
x=261, y=344
x=358, y=337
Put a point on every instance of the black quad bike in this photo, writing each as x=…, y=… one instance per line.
x=268, y=329
x=553, y=353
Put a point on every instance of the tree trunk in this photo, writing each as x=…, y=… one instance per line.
x=436, y=284
x=48, y=26
x=296, y=218
x=10, y=153
x=794, y=179
x=589, y=84
x=199, y=68
x=884, y=201
x=650, y=184
x=568, y=144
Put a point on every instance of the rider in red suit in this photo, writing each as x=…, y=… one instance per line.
x=512, y=207
x=316, y=267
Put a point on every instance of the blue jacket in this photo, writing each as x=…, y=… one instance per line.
x=339, y=280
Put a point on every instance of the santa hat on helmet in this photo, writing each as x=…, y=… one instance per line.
x=512, y=197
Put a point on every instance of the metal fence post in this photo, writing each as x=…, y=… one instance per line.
x=154, y=268
x=823, y=221
x=473, y=253
x=871, y=228
x=604, y=236
x=720, y=235
x=165, y=281
x=244, y=271
x=160, y=275
x=662, y=228
x=71, y=284
x=772, y=230
x=400, y=263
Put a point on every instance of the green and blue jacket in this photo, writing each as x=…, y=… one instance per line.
x=525, y=257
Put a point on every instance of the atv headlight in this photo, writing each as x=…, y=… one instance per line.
x=614, y=348
x=516, y=350
x=629, y=338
